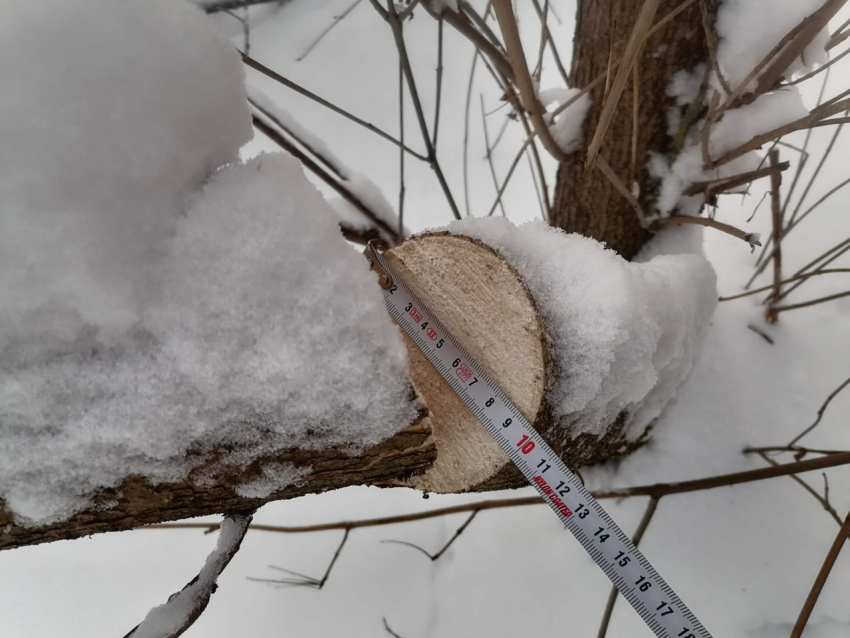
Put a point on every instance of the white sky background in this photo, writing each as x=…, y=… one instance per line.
x=742, y=558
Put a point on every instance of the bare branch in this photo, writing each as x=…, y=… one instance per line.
x=392, y=18
x=218, y=6
x=273, y=134
x=821, y=411
x=811, y=302
x=336, y=20
x=333, y=107
x=785, y=281
x=543, y=15
x=807, y=121
x=439, y=88
x=508, y=176
x=714, y=187
x=489, y=156
x=751, y=238
x=656, y=491
x=820, y=499
x=389, y=629
x=174, y=617
x=776, y=217
x=435, y=557
x=820, y=580
x=527, y=94
x=301, y=580
x=651, y=506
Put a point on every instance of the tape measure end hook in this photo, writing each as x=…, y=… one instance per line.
x=371, y=251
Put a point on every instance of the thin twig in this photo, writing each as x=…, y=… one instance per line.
x=817, y=171
x=820, y=499
x=806, y=31
x=333, y=107
x=490, y=157
x=246, y=29
x=435, y=557
x=657, y=490
x=633, y=155
x=820, y=580
x=339, y=170
x=761, y=333
x=538, y=189
x=401, y=188
x=543, y=15
x=439, y=88
x=713, y=187
x=844, y=246
x=462, y=23
x=508, y=176
x=776, y=217
x=711, y=43
x=785, y=281
x=541, y=49
x=811, y=302
x=821, y=411
x=527, y=95
x=302, y=580
x=336, y=21
x=225, y=5
x=392, y=18
x=798, y=451
x=820, y=69
x=513, y=99
x=756, y=141
x=389, y=630
x=339, y=186
x=466, y=132
x=651, y=506
x=751, y=238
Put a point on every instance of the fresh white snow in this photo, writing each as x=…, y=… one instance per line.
x=743, y=558
x=145, y=316
x=568, y=126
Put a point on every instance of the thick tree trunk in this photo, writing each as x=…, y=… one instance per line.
x=585, y=201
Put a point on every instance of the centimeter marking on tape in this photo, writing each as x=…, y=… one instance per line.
x=636, y=579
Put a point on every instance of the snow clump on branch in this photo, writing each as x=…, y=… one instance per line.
x=147, y=318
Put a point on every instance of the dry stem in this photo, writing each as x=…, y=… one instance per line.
x=820, y=580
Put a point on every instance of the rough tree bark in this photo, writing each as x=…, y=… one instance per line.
x=585, y=202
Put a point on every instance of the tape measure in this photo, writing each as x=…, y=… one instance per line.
x=636, y=579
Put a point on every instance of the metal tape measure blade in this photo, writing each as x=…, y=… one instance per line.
x=633, y=575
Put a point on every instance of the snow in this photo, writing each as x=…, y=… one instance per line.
x=743, y=558
x=567, y=127
x=167, y=619
x=142, y=317
x=275, y=476
x=622, y=336
x=359, y=185
x=749, y=29
x=103, y=134
x=736, y=127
